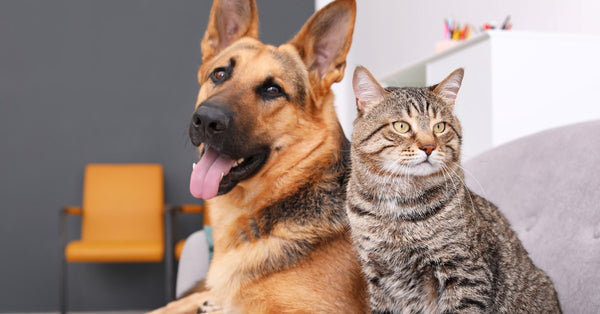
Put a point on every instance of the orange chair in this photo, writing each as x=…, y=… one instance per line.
x=188, y=209
x=123, y=220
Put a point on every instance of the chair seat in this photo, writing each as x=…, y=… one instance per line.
x=179, y=248
x=114, y=252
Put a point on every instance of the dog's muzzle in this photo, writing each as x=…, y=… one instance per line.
x=210, y=125
x=228, y=155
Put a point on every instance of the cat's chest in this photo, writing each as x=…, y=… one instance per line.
x=409, y=280
x=406, y=257
x=394, y=236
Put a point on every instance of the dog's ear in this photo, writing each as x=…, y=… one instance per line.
x=367, y=90
x=229, y=21
x=324, y=41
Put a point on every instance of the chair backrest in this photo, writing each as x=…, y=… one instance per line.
x=123, y=202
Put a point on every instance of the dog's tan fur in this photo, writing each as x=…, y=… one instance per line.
x=264, y=261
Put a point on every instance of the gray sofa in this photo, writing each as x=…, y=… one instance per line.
x=548, y=186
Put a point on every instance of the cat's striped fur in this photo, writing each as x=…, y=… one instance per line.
x=426, y=242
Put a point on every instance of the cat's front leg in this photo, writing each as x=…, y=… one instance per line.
x=465, y=292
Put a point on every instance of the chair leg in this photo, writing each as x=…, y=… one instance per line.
x=169, y=280
x=63, y=287
x=63, y=267
x=169, y=255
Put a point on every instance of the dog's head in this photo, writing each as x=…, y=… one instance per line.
x=258, y=102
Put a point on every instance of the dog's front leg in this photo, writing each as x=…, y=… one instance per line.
x=197, y=302
x=209, y=307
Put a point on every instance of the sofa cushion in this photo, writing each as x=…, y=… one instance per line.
x=548, y=186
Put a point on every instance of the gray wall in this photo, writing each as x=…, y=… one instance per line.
x=95, y=81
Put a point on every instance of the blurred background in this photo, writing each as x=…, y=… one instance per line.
x=114, y=81
x=96, y=81
x=391, y=35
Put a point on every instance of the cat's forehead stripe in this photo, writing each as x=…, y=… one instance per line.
x=418, y=101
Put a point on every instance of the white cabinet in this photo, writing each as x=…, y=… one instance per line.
x=515, y=84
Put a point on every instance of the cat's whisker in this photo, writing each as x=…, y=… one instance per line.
x=460, y=207
x=447, y=169
x=466, y=171
x=446, y=178
x=466, y=189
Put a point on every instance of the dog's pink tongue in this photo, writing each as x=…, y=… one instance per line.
x=206, y=175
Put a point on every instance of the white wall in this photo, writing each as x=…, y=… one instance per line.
x=391, y=34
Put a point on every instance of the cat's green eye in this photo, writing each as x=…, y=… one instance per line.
x=440, y=127
x=401, y=126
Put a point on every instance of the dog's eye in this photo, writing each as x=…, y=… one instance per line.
x=219, y=75
x=270, y=90
x=273, y=90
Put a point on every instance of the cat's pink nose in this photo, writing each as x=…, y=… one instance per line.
x=428, y=149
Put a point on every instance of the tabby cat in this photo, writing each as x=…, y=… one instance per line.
x=427, y=243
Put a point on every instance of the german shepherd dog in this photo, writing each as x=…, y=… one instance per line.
x=274, y=165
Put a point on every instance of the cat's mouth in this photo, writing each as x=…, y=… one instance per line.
x=414, y=167
x=423, y=166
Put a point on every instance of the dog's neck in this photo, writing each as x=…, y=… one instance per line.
x=312, y=159
x=312, y=213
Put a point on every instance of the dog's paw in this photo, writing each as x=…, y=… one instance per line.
x=209, y=307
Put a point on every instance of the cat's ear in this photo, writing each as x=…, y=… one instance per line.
x=448, y=88
x=367, y=90
x=229, y=21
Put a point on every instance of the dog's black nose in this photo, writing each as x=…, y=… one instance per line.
x=212, y=120
x=208, y=123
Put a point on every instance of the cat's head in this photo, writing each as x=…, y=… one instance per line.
x=406, y=131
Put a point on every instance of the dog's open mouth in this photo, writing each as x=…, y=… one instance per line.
x=217, y=173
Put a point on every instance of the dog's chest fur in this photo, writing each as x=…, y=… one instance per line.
x=278, y=236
